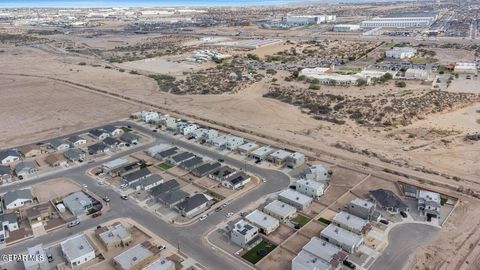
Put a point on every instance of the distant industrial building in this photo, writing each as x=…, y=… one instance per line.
x=266, y=223
x=466, y=68
x=244, y=233
x=308, y=19
x=346, y=27
x=345, y=239
x=416, y=74
x=401, y=21
x=401, y=52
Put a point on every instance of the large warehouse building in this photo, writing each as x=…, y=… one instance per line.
x=405, y=21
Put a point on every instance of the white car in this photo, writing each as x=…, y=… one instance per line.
x=84, y=186
x=229, y=214
x=202, y=218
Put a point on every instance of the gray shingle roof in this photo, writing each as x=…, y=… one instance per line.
x=386, y=198
x=165, y=187
x=4, y=154
x=193, y=202
x=206, y=168
x=134, y=176
x=73, y=154
x=13, y=195
x=111, y=141
x=10, y=217
x=173, y=196
x=5, y=170
x=128, y=137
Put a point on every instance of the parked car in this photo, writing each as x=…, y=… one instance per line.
x=125, y=197
x=162, y=247
x=84, y=186
x=97, y=214
x=218, y=209
x=403, y=214
x=229, y=214
x=202, y=218
x=383, y=221
x=73, y=223
x=221, y=160
x=349, y=264
x=106, y=199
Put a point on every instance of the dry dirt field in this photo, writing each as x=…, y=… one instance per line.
x=54, y=188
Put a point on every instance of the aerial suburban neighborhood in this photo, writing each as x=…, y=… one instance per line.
x=272, y=135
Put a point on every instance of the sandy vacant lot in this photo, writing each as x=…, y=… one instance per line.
x=55, y=188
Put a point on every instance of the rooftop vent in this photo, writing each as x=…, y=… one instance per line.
x=134, y=259
x=264, y=218
x=298, y=198
x=81, y=247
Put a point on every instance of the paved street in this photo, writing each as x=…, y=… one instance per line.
x=190, y=239
x=403, y=241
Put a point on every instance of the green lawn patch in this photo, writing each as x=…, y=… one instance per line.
x=258, y=252
x=326, y=221
x=301, y=220
x=165, y=166
x=126, y=129
x=443, y=201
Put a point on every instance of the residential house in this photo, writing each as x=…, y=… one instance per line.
x=172, y=198
x=179, y=158
x=244, y=233
x=205, y=169
x=266, y=223
x=247, y=148
x=236, y=181
x=129, y=138
x=98, y=134
x=56, y=160
x=209, y=135
x=78, y=203
x=193, y=205
x=161, y=264
x=59, y=144
x=149, y=117
x=222, y=173
x=152, y=151
x=39, y=213
x=31, y=263
x=136, y=176
x=317, y=173
x=429, y=204
x=295, y=160
x=279, y=157
x=25, y=168
x=124, y=169
x=388, y=201
x=114, y=237
x=76, y=140
x=29, y=151
x=8, y=156
x=186, y=128
x=280, y=210
x=74, y=155
x=233, y=142
x=347, y=240
x=77, y=250
x=6, y=174
x=325, y=251
x=261, y=153
x=164, y=188
x=362, y=208
x=416, y=74
x=8, y=221
x=167, y=153
x=310, y=188
x=295, y=199
x=220, y=141
x=148, y=182
x=17, y=198
x=136, y=257
x=98, y=148
x=112, y=130
x=351, y=223
x=192, y=163
x=410, y=191
x=307, y=261
x=112, y=142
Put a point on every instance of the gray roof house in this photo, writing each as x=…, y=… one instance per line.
x=25, y=168
x=179, y=158
x=136, y=176
x=98, y=133
x=112, y=130
x=59, y=144
x=165, y=187
x=77, y=250
x=78, y=203
x=193, y=205
x=388, y=200
x=206, y=168
x=17, y=198
x=9, y=156
x=172, y=198
x=74, y=154
x=6, y=173
x=147, y=182
x=191, y=163
x=97, y=148
x=76, y=140
x=167, y=153
x=112, y=142
x=129, y=138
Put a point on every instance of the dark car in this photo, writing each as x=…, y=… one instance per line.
x=97, y=214
x=258, y=161
x=221, y=160
x=403, y=214
x=218, y=209
x=384, y=221
x=349, y=264
x=49, y=256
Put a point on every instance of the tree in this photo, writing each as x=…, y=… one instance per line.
x=361, y=82
x=333, y=82
x=400, y=84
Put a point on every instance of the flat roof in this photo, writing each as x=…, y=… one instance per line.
x=280, y=154
x=34, y=251
x=311, y=183
x=243, y=226
x=117, y=233
x=306, y=261
x=115, y=163
x=362, y=203
x=133, y=256
x=295, y=196
x=261, y=219
x=429, y=195
x=280, y=208
x=248, y=146
x=160, y=264
x=296, y=155
x=76, y=247
x=322, y=249
x=262, y=151
x=342, y=236
x=350, y=220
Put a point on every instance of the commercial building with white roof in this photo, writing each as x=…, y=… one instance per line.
x=77, y=250
x=401, y=52
x=264, y=222
x=467, y=68
x=244, y=233
x=307, y=261
x=279, y=157
x=280, y=210
x=261, y=153
x=295, y=199
x=346, y=27
x=347, y=240
x=350, y=222
x=310, y=188
x=247, y=148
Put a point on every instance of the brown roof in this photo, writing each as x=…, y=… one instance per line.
x=27, y=148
